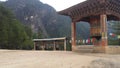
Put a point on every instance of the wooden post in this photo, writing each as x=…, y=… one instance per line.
x=65, y=44
x=43, y=46
x=73, y=26
x=54, y=45
x=104, y=40
x=34, y=46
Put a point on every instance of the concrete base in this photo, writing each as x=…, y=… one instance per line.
x=97, y=49
x=83, y=49
x=112, y=49
x=74, y=48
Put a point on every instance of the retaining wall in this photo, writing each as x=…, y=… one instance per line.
x=97, y=49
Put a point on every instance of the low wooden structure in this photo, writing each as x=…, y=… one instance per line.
x=97, y=13
x=50, y=44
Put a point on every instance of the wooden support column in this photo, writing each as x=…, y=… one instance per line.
x=34, y=46
x=73, y=26
x=104, y=40
x=65, y=45
x=43, y=46
x=54, y=45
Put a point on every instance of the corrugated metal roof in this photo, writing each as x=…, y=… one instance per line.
x=49, y=39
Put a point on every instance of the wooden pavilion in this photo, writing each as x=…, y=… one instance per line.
x=97, y=13
x=50, y=44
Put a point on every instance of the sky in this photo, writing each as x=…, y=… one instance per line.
x=60, y=4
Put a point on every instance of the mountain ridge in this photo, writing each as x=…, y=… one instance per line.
x=44, y=19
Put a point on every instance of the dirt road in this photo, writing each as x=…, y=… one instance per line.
x=55, y=59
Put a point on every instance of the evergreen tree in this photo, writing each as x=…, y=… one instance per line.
x=12, y=32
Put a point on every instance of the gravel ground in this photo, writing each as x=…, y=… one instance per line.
x=56, y=59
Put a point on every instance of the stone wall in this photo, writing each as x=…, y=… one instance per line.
x=113, y=49
x=83, y=49
x=97, y=49
x=107, y=49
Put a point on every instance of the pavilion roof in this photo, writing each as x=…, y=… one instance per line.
x=82, y=11
x=49, y=39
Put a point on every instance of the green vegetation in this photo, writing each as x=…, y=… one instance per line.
x=115, y=29
x=13, y=35
x=46, y=22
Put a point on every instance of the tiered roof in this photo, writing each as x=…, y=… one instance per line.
x=83, y=11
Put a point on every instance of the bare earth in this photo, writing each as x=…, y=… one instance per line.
x=56, y=59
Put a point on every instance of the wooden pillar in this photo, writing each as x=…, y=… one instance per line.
x=43, y=46
x=73, y=26
x=65, y=45
x=104, y=40
x=54, y=46
x=34, y=46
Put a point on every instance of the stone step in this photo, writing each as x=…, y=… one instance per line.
x=84, y=49
x=87, y=47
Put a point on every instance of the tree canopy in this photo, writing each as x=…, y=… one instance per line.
x=12, y=33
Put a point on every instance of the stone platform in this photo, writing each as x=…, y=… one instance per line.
x=113, y=49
